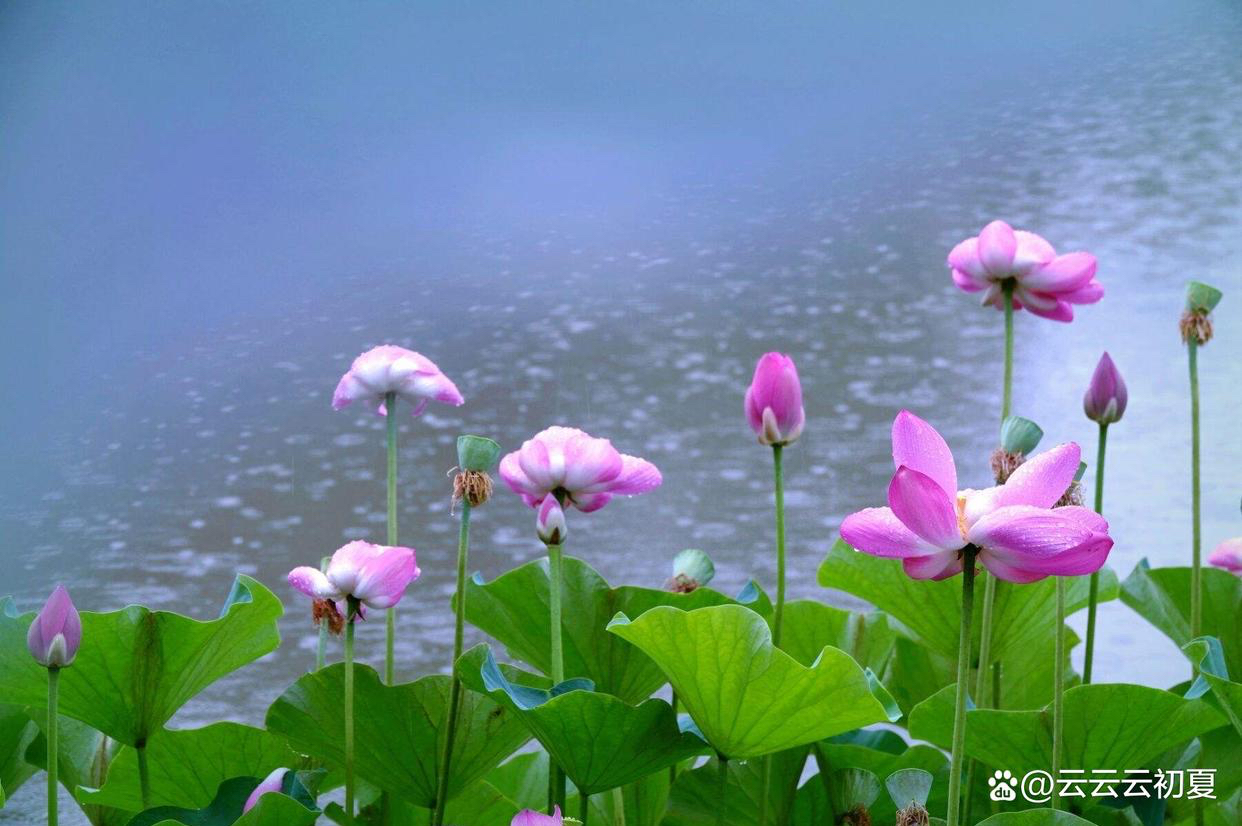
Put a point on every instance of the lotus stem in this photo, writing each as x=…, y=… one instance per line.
x=1196, y=584
x=778, y=474
x=963, y=673
x=1007, y=387
x=463, y=551
x=618, y=805
x=722, y=789
x=390, y=418
x=1058, y=691
x=352, y=611
x=672, y=770
x=555, y=557
x=1094, y=593
x=321, y=650
x=144, y=774
x=53, y=698
x=584, y=806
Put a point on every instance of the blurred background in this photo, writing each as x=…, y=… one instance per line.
x=591, y=214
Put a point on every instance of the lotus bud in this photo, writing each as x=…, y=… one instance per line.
x=1201, y=299
x=550, y=522
x=1019, y=438
x=476, y=457
x=774, y=401
x=691, y=569
x=273, y=783
x=528, y=817
x=56, y=632
x=1105, y=399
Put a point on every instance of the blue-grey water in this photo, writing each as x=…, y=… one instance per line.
x=596, y=215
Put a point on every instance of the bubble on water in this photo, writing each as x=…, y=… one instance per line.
x=227, y=502
x=350, y=440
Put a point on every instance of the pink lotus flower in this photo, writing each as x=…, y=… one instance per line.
x=375, y=575
x=391, y=369
x=550, y=523
x=774, y=401
x=1228, y=555
x=56, y=632
x=578, y=468
x=527, y=817
x=1044, y=283
x=272, y=784
x=1105, y=399
x=1018, y=534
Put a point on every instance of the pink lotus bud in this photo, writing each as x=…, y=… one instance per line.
x=774, y=401
x=1228, y=555
x=1105, y=399
x=527, y=817
x=550, y=523
x=274, y=783
x=56, y=632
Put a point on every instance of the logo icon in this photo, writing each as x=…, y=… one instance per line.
x=1002, y=783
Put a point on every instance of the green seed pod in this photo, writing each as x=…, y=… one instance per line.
x=1201, y=298
x=477, y=453
x=1019, y=435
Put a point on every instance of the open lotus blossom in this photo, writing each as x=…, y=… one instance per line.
x=1045, y=283
x=375, y=575
x=774, y=401
x=273, y=783
x=56, y=632
x=578, y=468
x=1228, y=555
x=527, y=817
x=391, y=369
x=1020, y=537
x=1105, y=399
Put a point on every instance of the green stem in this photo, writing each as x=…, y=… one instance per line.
x=985, y=644
x=779, y=475
x=584, y=807
x=555, y=558
x=390, y=404
x=1196, y=585
x=321, y=651
x=463, y=550
x=144, y=775
x=351, y=611
x=1093, y=595
x=721, y=790
x=1058, y=691
x=763, y=789
x=963, y=673
x=618, y=804
x=672, y=770
x=53, y=723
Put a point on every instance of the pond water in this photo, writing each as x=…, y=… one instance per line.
x=585, y=218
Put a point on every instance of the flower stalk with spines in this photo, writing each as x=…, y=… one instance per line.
x=1104, y=403
x=53, y=641
x=472, y=487
x=551, y=528
x=1196, y=329
x=774, y=411
x=351, y=613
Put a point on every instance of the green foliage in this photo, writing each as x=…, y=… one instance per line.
x=1209, y=658
x=931, y=611
x=187, y=766
x=294, y=806
x=1105, y=726
x=746, y=696
x=398, y=730
x=514, y=610
x=600, y=741
x=136, y=667
x=1035, y=817
x=1162, y=597
x=695, y=797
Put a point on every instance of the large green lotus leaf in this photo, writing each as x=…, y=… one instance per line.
x=17, y=731
x=1106, y=725
x=514, y=610
x=1162, y=597
x=397, y=730
x=748, y=697
x=931, y=611
x=226, y=806
x=187, y=766
x=695, y=796
x=482, y=804
x=811, y=625
x=600, y=741
x=1208, y=654
x=523, y=779
x=136, y=667
x=1035, y=817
